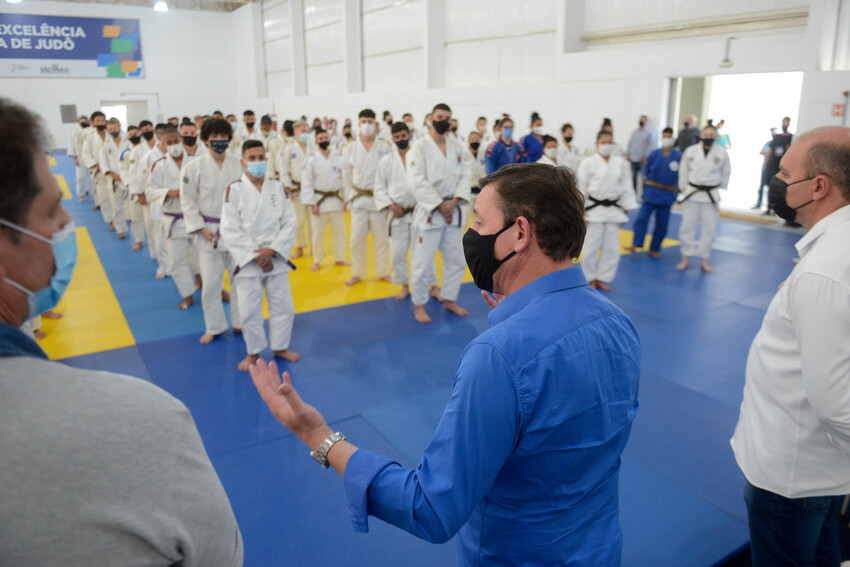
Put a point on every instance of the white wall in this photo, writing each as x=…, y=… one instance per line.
x=393, y=56
x=277, y=40
x=324, y=42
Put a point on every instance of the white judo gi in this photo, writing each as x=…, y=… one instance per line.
x=153, y=220
x=291, y=165
x=139, y=214
x=608, y=193
x=102, y=185
x=321, y=184
x=570, y=157
x=165, y=176
x=434, y=178
x=273, y=154
x=111, y=153
x=360, y=168
x=699, y=207
x=202, y=190
x=251, y=220
x=75, y=150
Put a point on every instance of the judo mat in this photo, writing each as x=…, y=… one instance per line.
x=384, y=379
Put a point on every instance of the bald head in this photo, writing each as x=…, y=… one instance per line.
x=692, y=120
x=827, y=152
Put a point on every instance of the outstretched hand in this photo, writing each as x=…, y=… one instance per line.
x=286, y=405
x=492, y=299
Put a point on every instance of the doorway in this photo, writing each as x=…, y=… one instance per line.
x=127, y=111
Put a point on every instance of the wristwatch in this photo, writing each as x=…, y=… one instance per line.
x=321, y=453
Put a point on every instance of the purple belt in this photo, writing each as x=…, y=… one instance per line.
x=174, y=218
x=217, y=231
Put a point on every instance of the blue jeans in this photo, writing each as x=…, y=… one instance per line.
x=662, y=218
x=792, y=532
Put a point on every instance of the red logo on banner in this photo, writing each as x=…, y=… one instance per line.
x=838, y=110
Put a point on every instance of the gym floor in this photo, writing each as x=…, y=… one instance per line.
x=384, y=379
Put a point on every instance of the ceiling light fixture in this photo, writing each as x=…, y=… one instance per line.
x=726, y=61
x=13, y=1
x=160, y=6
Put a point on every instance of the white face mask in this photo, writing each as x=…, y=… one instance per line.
x=175, y=150
x=667, y=142
x=368, y=129
x=551, y=153
x=410, y=126
x=604, y=149
x=538, y=130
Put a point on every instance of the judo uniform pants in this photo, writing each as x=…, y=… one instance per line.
x=401, y=235
x=178, y=247
x=662, y=219
x=318, y=224
x=213, y=263
x=698, y=216
x=249, y=290
x=84, y=183
x=604, y=238
x=362, y=222
x=135, y=212
x=116, y=198
x=449, y=241
x=301, y=221
x=102, y=197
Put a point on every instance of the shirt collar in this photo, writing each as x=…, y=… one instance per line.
x=14, y=342
x=836, y=217
x=556, y=281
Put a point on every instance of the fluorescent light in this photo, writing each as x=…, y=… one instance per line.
x=160, y=6
x=13, y=1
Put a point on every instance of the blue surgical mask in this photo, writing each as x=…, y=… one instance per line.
x=64, y=244
x=304, y=138
x=257, y=168
x=508, y=132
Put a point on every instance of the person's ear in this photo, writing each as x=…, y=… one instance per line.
x=523, y=234
x=823, y=186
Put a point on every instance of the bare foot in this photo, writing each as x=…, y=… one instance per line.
x=387, y=279
x=160, y=275
x=341, y=264
x=136, y=246
x=247, y=361
x=95, y=208
x=594, y=284
x=420, y=314
x=453, y=307
x=186, y=303
x=111, y=226
x=288, y=355
x=298, y=253
x=315, y=267
x=52, y=314
x=39, y=334
x=404, y=293
x=198, y=282
x=237, y=331
x=683, y=265
x=435, y=294
x=654, y=254
x=82, y=199
x=225, y=296
x=630, y=249
x=602, y=285
x=706, y=267
x=121, y=236
x=207, y=338
x=353, y=281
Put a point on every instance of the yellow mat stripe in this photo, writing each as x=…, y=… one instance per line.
x=63, y=185
x=92, y=318
x=53, y=161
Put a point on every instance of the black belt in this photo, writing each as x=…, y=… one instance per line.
x=602, y=203
x=706, y=188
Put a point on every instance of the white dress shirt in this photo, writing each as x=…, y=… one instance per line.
x=793, y=434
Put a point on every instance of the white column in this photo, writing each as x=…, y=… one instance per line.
x=353, y=55
x=569, y=26
x=299, y=58
x=434, y=43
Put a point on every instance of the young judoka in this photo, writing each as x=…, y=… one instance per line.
x=439, y=180
x=75, y=150
x=163, y=188
x=361, y=159
x=703, y=170
x=605, y=181
x=139, y=211
x=257, y=228
x=91, y=158
x=291, y=164
x=321, y=192
x=134, y=140
x=109, y=161
x=156, y=237
x=201, y=197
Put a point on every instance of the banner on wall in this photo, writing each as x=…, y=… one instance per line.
x=57, y=46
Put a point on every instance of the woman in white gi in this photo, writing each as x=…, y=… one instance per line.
x=321, y=192
x=550, y=151
x=569, y=154
x=605, y=181
x=257, y=228
x=291, y=164
x=703, y=170
x=201, y=197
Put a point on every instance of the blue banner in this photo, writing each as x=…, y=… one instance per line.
x=58, y=46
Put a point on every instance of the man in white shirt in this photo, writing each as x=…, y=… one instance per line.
x=75, y=151
x=91, y=159
x=153, y=220
x=109, y=162
x=792, y=440
x=139, y=211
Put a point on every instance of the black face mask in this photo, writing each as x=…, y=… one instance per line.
x=479, y=251
x=249, y=125
x=190, y=141
x=219, y=146
x=642, y=123
x=776, y=192
x=785, y=128
x=402, y=144
x=101, y=127
x=347, y=134
x=147, y=136
x=135, y=139
x=115, y=134
x=440, y=126
x=475, y=145
x=454, y=130
x=707, y=142
x=324, y=145
x=568, y=139
x=84, y=124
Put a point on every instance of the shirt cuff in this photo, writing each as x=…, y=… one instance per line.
x=362, y=468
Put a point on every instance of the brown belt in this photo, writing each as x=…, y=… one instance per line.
x=328, y=195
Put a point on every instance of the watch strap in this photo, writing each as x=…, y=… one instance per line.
x=321, y=452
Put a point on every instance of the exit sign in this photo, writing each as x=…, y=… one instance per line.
x=838, y=109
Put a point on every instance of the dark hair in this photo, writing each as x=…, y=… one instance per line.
x=187, y=120
x=192, y=124
x=287, y=127
x=507, y=119
x=386, y=113
x=95, y=114
x=710, y=122
x=366, y=113
x=547, y=138
x=319, y=130
x=22, y=138
x=248, y=113
x=160, y=128
x=216, y=126
x=173, y=118
x=480, y=118
x=144, y=123
x=251, y=144
x=169, y=129
x=218, y=112
x=441, y=106
x=132, y=127
x=399, y=127
x=667, y=130
x=566, y=126
x=549, y=198
x=229, y=115
x=266, y=119
x=535, y=116
x=497, y=123
x=603, y=133
x=405, y=115
x=607, y=122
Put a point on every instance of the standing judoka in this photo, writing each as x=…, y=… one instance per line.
x=291, y=163
x=110, y=168
x=703, y=170
x=605, y=181
x=361, y=159
x=132, y=210
x=439, y=180
x=245, y=133
x=189, y=137
x=266, y=133
x=201, y=197
x=257, y=228
x=321, y=192
x=163, y=188
x=139, y=216
x=153, y=225
x=91, y=159
x=75, y=151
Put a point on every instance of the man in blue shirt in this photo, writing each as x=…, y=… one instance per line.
x=660, y=187
x=504, y=151
x=524, y=464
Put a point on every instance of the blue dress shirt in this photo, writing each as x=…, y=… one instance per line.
x=524, y=464
x=662, y=170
